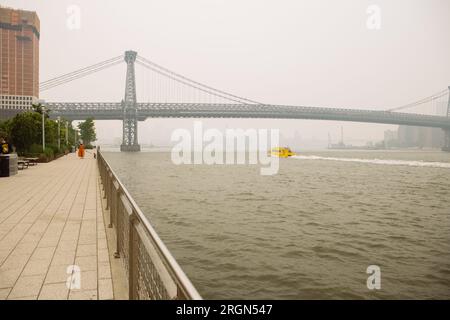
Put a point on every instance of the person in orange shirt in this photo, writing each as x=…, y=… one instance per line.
x=81, y=151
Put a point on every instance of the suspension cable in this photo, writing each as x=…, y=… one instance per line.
x=186, y=83
x=220, y=93
x=76, y=76
x=421, y=101
x=80, y=72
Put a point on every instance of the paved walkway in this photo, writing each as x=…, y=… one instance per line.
x=51, y=218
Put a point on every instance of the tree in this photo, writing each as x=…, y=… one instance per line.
x=51, y=133
x=25, y=130
x=87, y=131
x=71, y=135
x=5, y=129
x=39, y=108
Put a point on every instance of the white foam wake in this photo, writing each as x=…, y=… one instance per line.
x=380, y=161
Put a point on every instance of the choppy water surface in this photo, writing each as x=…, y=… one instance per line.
x=308, y=232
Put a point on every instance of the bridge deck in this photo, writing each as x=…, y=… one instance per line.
x=52, y=217
x=114, y=111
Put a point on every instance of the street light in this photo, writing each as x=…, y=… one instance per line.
x=59, y=134
x=67, y=133
x=43, y=129
x=41, y=102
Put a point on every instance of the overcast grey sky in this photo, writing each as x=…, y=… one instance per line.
x=318, y=53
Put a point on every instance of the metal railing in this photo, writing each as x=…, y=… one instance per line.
x=151, y=269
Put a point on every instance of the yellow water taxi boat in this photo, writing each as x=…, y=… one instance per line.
x=282, y=152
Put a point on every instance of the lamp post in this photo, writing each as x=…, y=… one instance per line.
x=67, y=133
x=42, y=102
x=43, y=129
x=59, y=134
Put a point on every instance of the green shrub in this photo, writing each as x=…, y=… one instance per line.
x=35, y=148
x=54, y=148
x=49, y=153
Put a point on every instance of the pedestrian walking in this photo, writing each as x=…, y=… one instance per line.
x=81, y=151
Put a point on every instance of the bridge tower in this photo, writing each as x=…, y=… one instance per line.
x=447, y=131
x=129, y=108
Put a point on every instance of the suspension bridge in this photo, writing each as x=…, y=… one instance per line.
x=176, y=96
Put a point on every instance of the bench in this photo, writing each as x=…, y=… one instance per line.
x=23, y=164
x=32, y=161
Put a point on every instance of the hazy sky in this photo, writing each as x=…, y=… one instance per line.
x=317, y=53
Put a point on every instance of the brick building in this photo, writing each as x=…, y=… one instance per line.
x=19, y=60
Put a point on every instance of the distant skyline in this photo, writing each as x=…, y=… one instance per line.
x=318, y=53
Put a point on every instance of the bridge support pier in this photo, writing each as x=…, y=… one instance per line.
x=446, y=146
x=133, y=148
x=130, y=129
x=130, y=123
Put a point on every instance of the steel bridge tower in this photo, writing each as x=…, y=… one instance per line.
x=129, y=107
x=447, y=131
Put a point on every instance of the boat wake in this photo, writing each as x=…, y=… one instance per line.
x=380, y=161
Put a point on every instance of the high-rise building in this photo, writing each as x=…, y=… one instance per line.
x=19, y=60
x=421, y=137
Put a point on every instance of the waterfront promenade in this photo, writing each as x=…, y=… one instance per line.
x=51, y=218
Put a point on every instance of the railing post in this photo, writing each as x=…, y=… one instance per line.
x=119, y=213
x=108, y=190
x=132, y=258
x=103, y=177
x=113, y=208
x=111, y=186
x=119, y=224
x=105, y=187
x=103, y=174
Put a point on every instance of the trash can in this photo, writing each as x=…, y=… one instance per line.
x=8, y=165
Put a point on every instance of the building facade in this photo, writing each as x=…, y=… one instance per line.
x=19, y=60
x=421, y=137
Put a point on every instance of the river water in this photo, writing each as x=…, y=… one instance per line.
x=308, y=232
